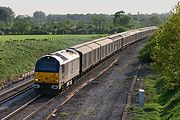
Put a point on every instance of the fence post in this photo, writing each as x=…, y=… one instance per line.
x=141, y=97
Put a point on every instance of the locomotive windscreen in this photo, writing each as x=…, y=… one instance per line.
x=47, y=64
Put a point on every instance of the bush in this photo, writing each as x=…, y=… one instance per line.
x=164, y=48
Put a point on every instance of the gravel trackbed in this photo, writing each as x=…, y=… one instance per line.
x=106, y=96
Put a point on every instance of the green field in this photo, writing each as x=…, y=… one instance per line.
x=18, y=53
x=25, y=37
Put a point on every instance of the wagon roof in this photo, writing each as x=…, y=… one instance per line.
x=94, y=45
x=104, y=41
x=115, y=37
x=81, y=45
x=84, y=49
x=147, y=28
x=124, y=34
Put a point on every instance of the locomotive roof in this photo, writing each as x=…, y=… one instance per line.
x=64, y=56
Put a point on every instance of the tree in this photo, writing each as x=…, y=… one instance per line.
x=2, y=28
x=40, y=28
x=121, y=19
x=22, y=25
x=6, y=14
x=154, y=21
x=73, y=23
x=64, y=26
x=39, y=16
x=164, y=49
x=99, y=22
x=81, y=27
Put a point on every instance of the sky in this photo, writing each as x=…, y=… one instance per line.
x=28, y=7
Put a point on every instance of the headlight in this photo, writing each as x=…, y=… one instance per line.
x=36, y=79
x=36, y=86
x=54, y=87
x=55, y=80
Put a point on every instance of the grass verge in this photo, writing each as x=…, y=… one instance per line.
x=160, y=104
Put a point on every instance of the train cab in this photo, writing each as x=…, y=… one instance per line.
x=47, y=74
x=55, y=71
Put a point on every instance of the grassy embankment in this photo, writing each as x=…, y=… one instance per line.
x=18, y=53
x=159, y=104
x=162, y=89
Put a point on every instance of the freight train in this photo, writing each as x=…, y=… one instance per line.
x=56, y=71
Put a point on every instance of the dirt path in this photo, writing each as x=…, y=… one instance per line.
x=105, y=97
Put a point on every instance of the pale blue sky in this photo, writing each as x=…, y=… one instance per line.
x=88, y=6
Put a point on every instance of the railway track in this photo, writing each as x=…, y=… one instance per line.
x=21, y=112
x=15, y=91
x=77, y=90
x=15, y=112
x=79, y=104
x=66, y=95
x=10, y=96
x=6, y=99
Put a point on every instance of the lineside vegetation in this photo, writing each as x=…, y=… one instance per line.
x=163, y=89
x=19, y=53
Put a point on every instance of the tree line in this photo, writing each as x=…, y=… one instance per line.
x=40, y=23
